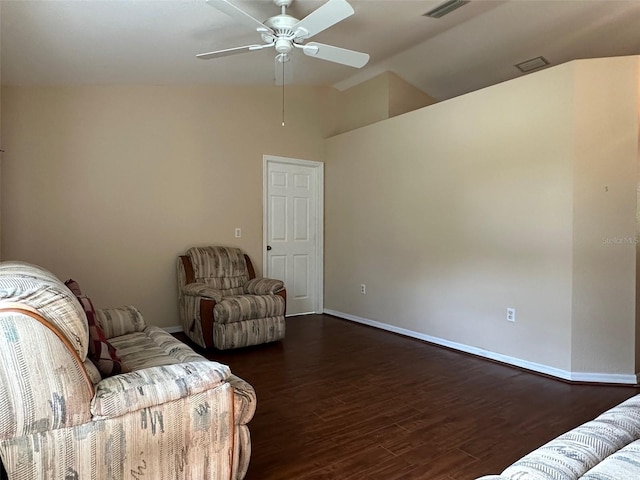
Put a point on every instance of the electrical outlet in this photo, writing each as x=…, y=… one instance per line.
x=511, y=314
x=238, y=233
x=363, y=289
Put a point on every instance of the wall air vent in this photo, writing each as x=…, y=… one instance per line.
x=532, y=64
x=446, y=7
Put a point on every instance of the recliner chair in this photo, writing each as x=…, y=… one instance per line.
x=222, y=304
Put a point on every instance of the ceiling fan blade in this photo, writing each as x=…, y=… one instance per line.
x=283, y=70
x=232, y=51
x=336, y=54
x=324, y=17
x=230, y=9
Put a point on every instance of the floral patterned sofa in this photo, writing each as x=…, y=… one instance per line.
x=605, y=448
x=143, y=406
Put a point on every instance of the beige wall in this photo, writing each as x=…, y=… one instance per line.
x=109, y=184
x=452, y=213
x=1, y=148
x=638, y=245
x=404, y=97
x=382, y=97
x=605, y=178
x=363, y=104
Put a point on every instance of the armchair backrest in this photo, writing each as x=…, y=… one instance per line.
x=223, y=268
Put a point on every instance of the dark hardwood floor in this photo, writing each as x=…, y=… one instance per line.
x=339, y=400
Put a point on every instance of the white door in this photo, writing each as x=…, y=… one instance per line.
x=293, y=230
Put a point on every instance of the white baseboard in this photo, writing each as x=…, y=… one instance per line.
x=174, y=329
x=536, y=367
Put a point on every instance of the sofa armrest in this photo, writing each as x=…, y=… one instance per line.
x=116, y=322
x=263, y=286
x=145, y=388
x=202, y=290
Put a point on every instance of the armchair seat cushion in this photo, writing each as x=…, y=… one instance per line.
x=239, y=308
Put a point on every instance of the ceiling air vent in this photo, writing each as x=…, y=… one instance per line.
x=532, y=64
x=446, y=7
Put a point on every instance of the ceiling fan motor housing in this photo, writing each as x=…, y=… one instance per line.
x=282, y=25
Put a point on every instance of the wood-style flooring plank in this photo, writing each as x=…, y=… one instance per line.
x=342, y=401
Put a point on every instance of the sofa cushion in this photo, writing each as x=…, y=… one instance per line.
x=625, y=463
x=153, y=348
x=248, y=307
x=572, y=454
x=116, y=322
x=101, y=352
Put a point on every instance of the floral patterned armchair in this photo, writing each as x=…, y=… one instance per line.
x=223, y=305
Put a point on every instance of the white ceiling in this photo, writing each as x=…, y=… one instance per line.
x=60, y=42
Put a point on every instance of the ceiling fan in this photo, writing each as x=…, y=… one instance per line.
x=285, y=33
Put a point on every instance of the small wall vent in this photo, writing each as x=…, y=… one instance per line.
x=445, y=8
x=532, y=64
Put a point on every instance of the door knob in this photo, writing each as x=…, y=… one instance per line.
x=268, y=247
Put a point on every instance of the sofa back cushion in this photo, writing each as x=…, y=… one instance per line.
x=223, y=268
x=116, y=322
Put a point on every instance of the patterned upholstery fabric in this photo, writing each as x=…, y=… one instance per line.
x=37, y=288
x=247, y=307
x=250, y=332
x=220, y=304
x=117, y=395
x=189, y=438
x=177, y=416
x=116, y=322
x=602, y=449
x=94, y=374
x=101, y=352
x=220, y=267
x=143, y=349
x=625, y=463
x=202, y=290
x=38, y=392
x=263, y=286
x=153, y=347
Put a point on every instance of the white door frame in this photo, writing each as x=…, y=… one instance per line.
x=319, y=243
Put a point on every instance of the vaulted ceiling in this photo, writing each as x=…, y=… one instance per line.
x=62, y=42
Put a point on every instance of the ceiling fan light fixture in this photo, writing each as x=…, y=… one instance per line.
x=445, y=8
x=532, y=64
